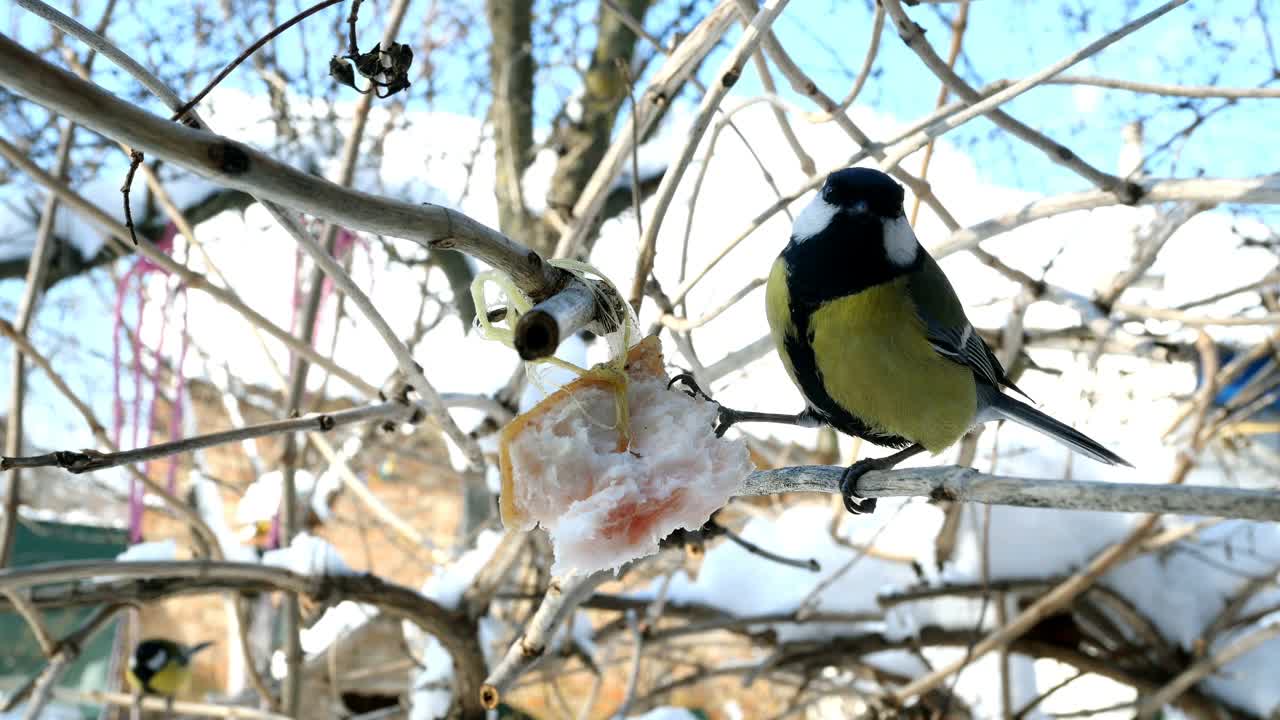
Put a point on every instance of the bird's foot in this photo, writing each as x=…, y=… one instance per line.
x=725, y=417
x=853, y=502
x=690, y=386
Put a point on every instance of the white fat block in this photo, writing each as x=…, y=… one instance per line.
x=604, y=504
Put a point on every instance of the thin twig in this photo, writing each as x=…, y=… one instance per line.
x=913, y=36
x=37, y=271
x=65, y=652
x=958, y=26
x=34, y=622
x=247, y=52
x=868, y=61
x=678, y=68
x=91, y=460
x=989, y=105
x=633, y=677
x=135, y=159
x=1197, y=671
x=1192, y=91
x=726, y=76
x=180, y=508
x=811, y=565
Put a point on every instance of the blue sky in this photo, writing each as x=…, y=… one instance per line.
x=1200, y=43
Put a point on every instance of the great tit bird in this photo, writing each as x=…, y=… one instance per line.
x=161, y=667
x=872, y=333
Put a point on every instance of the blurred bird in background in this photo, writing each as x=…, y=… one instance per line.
x=161, y=667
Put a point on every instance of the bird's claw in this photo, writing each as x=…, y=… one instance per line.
x=853, y=502
x=691, y=386
x=725, y=418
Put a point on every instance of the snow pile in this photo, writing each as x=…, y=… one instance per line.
x=261, y=500
x=666, y=712
x=567, y=466
x=847, y=584
x=308, y=555
x=336, y=622
x=448, y=584
x=158, y=551
x=844, y=595
x=431, y=689
x=333, y=624
x=209, y=505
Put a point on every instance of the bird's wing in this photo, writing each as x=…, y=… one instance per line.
x=948, y=329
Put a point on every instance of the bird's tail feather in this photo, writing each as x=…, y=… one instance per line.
x=198, y=647
x=1023, y=414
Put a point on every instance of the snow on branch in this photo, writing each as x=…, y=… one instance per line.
x=962, y=484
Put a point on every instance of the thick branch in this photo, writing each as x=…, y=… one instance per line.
x=511, y=81
x=153, y=580
x=967, y=485
x=563, y=595
x=540, y=331
x=239, y=166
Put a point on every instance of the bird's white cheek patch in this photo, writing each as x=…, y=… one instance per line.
x=900, y=244
x=158, y=660
x=815, y=218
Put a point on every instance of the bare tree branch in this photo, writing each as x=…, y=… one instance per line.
x=913, y=36
x=237, y=165
x=1191, y=91
x=180, y=508
x=988, y=105
x=727, y=75
x=967, y=485
x=686, y=57
x=153, y=580
x=90, y=460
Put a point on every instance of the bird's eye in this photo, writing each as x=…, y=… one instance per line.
x=826, y=194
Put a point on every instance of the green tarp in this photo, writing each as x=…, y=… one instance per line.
x=38, y=542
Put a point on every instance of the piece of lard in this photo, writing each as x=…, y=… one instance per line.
x=565, y=466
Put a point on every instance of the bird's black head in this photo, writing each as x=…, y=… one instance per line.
x=853, y=234
x=859, y=190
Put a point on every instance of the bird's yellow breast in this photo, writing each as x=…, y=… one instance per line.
x=876, y=362
x=777, y=305
x=167, y=682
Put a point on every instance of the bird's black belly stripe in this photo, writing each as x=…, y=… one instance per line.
x=799, y=349
x=832, y=264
